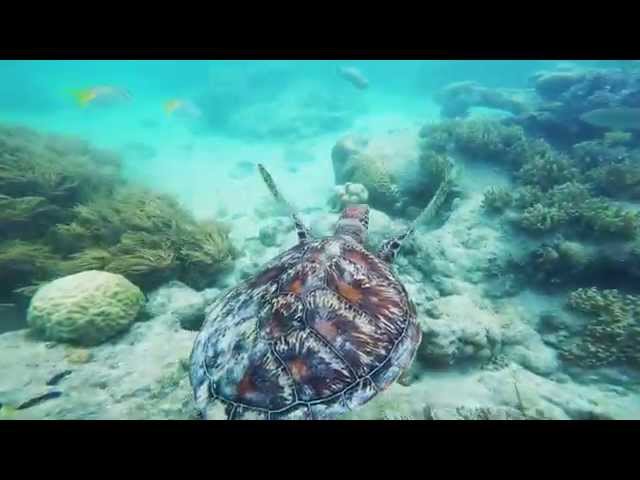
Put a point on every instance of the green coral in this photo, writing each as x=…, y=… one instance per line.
x=484, y=139
x=24, y=264
x=617, y=138
x=600, y=216
x=539, y=218
x=547, y=171
x=64, y=209
x=497, y=200
x=61, y=169
x=618, y=180
x=612, y=332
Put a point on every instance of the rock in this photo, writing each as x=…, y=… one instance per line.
x=86, y=308
x=535, y=356
x=456, y=99
x=550, y=85
x=464, y=331
x=387, y=165
x=179, y=300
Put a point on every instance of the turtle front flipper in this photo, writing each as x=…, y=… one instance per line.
x=390, y=248
x=303, y=232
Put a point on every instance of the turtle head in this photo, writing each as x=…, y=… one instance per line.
x=354, y=222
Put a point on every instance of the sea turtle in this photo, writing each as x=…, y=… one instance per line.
x=321, y=329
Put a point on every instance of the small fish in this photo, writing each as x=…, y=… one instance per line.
x=7, y=306
x=354, y=76
x=101, y=95
x=37, y=400
x=621, y=118
x=183, y=108
x=58, y=377
x=246, y=166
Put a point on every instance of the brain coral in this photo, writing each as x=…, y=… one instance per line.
x=372, y=172
x=86, y=308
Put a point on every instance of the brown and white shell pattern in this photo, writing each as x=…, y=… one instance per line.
x=322, y=329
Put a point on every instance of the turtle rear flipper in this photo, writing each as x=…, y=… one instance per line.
x=303, y=232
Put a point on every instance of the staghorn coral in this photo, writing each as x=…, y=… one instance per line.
x=612, y=332
x=601, y=217
x=547, y=171
x=539, y=218
x=484, y=139
x=497, y=200
x=618, y=180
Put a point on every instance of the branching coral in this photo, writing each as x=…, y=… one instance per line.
x=89, y=259
x=483, y=139
x=23, y=264
x=539, y=218
x=64, y=209
x=600, y=216
x=612, y=332
x=547, y=171
x=620, y=180
x=497, y=200
x=203, y=252
x=61, y=169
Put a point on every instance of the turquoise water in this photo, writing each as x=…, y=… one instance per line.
x=189, y=155
x=289, y=116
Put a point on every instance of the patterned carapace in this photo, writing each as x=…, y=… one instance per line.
x=323, y=328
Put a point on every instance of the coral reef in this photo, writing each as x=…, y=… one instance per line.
x=86, y=308
x=457, y=98
x=397, y=173
x=497, y=200
x=612, y=332
x=349, y=193
x=566, y=96
x=64, y=209
x=484, y=140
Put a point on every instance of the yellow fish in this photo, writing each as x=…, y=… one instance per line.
x=103, y=94
x=7, y=412
x=183, y=108
x=172, y=105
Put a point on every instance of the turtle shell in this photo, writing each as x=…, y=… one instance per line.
x=322, y=329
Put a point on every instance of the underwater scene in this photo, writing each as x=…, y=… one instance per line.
x=311, y=239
